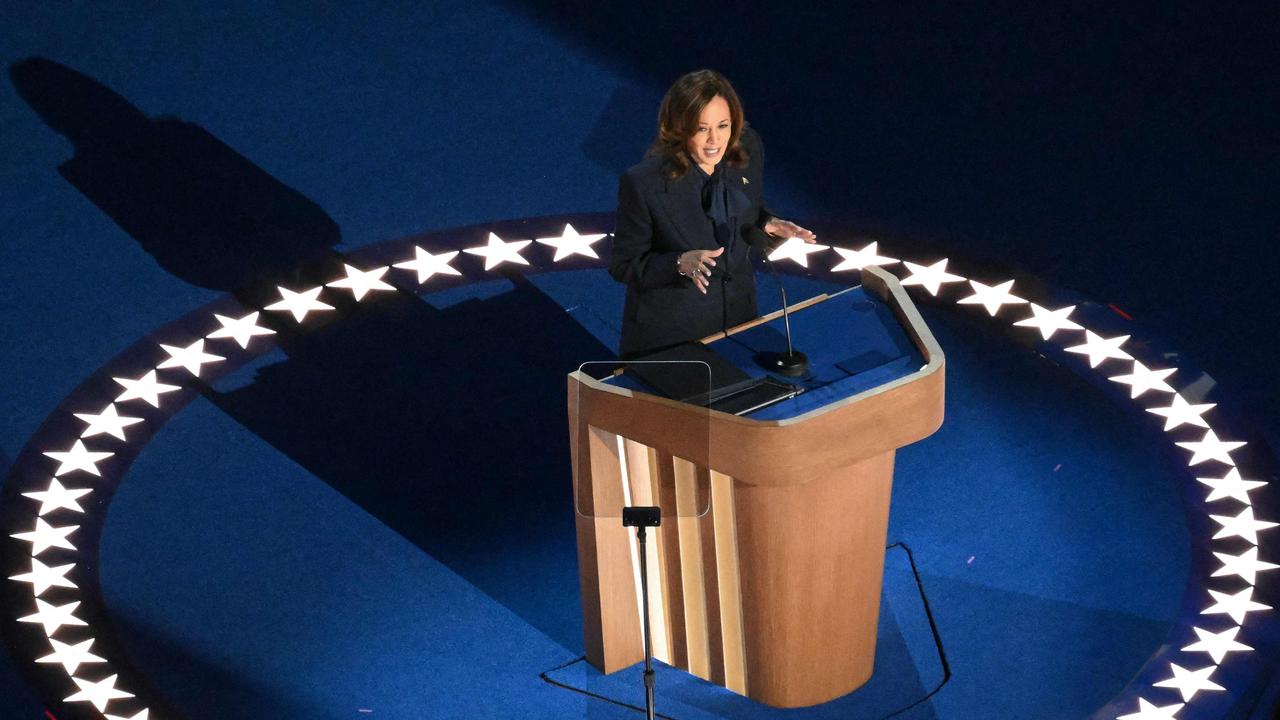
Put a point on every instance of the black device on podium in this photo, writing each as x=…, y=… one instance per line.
x=732, y=390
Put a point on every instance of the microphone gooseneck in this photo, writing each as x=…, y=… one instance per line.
x=792, y=363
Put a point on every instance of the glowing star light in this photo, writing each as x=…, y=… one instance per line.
x=571, y=242
x=859, y=259
x=361, y=282
x=108, y=422
x=42, y=577
x=241, y=330
x=71, y=657
x=991, y=297
x=45, y=536
x=140, y=716
x=1143, y=379
x=190, y=357
x=299, y=303
x=1243, y=526
x=1230, y=485
x=1237, y=606
x=52, y=617
x=1180, y=412
x=1190, y=682
x=1099, y=348
x=78, y=457
x=499, y=251
x=1246, y=565
x=1217, y=644
x=57, y=497
x=1210, y=448
x=1147, y=711
x=144, y=388
x=98, y=693
x=931, y=277
x=796, y=249
x=1049, y=322
x=426, y=264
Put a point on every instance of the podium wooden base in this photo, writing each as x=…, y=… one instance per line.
x=737, y=594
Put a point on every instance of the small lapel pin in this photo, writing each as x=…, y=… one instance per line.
x=746, y=181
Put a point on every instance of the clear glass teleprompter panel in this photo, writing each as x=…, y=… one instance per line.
x=647, y=446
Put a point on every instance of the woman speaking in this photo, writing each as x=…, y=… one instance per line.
x=687, y=216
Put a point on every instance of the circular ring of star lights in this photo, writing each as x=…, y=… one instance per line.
x=55, y=499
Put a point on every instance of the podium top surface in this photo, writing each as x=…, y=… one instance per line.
x=853, y=340
x=877, y=383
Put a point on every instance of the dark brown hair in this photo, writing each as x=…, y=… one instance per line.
x=678, y=120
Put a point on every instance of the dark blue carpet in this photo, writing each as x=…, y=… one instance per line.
x=311, y=540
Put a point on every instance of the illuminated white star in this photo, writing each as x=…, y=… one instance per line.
x=45, y=536
x=241, y=330
x=1210, y=448
x=299, y=303
x=1243, y=525
x=1237, y=606
x=1246, y=565
x=1217, y=644
x=571, y=242
x=144, y=388
x=190, y=357
x=1180, y=412
x=361, y=282
x=1143, y=379
x=1049, y=322
x=991, y=297
x=426, y=264
x=140, y=716
x=108, y=422
x=78, y=457
x=499, y=251
x=796, y=249
x=931, y=277
x=71, y=657
x=1099, y=348
x=1147, y=711
x=1231, y=486
x=1190, y=682
x=58, y=496
x=99, y=693
x=42, y=577
x=859, y=259
x=52, y=617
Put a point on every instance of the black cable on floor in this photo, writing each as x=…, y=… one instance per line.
x=928, y=612
x=933, y=628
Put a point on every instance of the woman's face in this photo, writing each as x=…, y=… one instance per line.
x=711, y=137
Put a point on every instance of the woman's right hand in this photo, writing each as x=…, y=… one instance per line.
x=696, y=265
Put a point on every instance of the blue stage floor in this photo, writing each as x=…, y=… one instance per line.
x=326, y=531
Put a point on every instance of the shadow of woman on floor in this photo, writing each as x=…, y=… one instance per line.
x=446, y=424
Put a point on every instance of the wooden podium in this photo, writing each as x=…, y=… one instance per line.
x=774, y=590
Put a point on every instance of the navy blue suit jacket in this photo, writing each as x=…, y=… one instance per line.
x=657, y=220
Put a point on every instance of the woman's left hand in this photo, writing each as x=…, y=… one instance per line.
x=780, y=228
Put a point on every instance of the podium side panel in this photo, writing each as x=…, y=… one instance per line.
x=672, y=568
x=694, y=579
x=611, y=620
x=642, y=476
x=732, y=650
x=711, y=579
x=811, y=560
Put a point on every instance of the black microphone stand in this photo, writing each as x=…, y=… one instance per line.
x=640, y=518
x=792, y=363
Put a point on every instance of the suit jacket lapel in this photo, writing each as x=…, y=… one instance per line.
x=683, y=199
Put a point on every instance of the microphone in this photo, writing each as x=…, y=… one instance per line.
x=792, y=363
